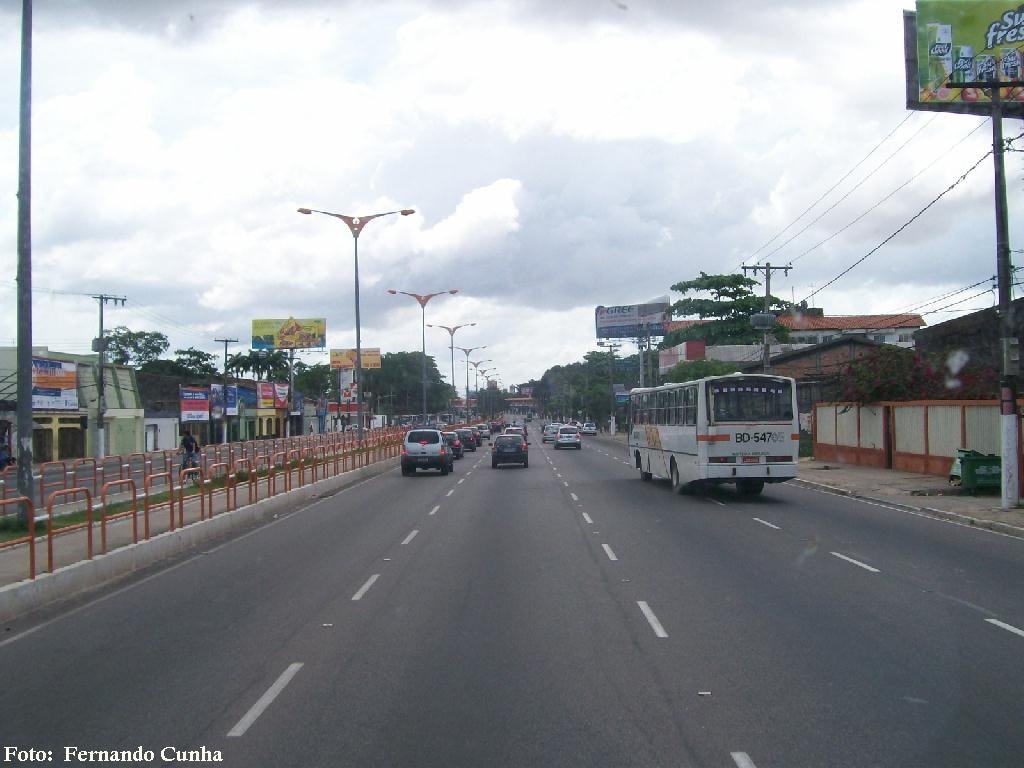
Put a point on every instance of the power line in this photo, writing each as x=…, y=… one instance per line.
x=902, y=227
x=830, y=189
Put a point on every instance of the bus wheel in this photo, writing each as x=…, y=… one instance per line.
x=677, y=485
x=749, y=487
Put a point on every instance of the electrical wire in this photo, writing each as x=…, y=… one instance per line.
x=830, y=189
x=902, y=227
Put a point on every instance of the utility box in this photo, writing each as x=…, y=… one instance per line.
x=976, y=470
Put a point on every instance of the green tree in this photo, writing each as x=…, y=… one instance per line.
x=725, y=303
x=892, y=373
x=271, y=365
x=196, y=363
x=314, y=380
x=127, y=347
x=399, y=382
x=688, y=370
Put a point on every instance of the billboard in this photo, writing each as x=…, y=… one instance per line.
x=289, y=334
x=221, y=404
x=345, y=359
x=271, y=395
x=54, y=384
x=947, y=42
x=195, y=403
x=630, y=321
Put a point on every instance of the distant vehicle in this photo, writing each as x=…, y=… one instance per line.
x=510, y=449
x=425, y=449
x=590, y=428
x=485, y=430
x=515, y=431
x=568, y=437
x=549, y=433
x=452, y=438
x=468, y=438
x=740, y=428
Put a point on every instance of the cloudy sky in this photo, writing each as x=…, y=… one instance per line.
x=559, y=155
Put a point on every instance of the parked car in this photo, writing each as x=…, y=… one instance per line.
x=590, y=428
x=425, y=449
x=549, y=433
x=468, y=438
x=568, y=437
x=510, y=449
x=452, y=438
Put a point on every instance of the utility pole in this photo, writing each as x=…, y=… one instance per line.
x=24, y=354
x=100, y=346
x=765, y=322
x=226, y=342
x=288, y=400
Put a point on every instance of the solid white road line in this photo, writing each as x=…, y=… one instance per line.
x=742, y=760
x=587, y=518
x=574, y=497
x=410, y=537
x=765, y=522
x=1007, y=627
x=855, y=562
x=366, y=587
x=652, y=619
x=608, y=551
x=264, y=701
x=434, y=510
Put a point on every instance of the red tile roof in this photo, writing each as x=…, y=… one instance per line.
x=826, y=322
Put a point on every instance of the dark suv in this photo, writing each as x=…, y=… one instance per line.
x=426, y=449
x=509, y=449
x=468, y=439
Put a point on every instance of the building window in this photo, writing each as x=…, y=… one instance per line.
x=879, y=337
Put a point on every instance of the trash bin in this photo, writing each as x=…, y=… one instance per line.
x=979, y=470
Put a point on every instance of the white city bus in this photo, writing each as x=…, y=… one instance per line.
x=742, y=428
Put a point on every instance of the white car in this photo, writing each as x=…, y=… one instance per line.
x=590, y=428
x=568, y=437
x=549, y=433
x=485, y=430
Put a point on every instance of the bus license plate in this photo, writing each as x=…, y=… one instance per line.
x=751, y=459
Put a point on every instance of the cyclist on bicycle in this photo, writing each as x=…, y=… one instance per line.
x=190, y=449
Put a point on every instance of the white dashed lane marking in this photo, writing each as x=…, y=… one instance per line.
x=366, y=587
x=264, y=701
x=855, y=562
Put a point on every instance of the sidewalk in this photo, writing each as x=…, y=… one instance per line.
x=928, y=494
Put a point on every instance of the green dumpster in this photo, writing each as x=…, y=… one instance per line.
x=979, y=470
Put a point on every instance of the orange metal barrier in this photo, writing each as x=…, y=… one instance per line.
x=295, y=456
x=53, y=475
x=230, y=491
x=183, y=478
x=112, y=466
x=147, y=503
x=72, y=492
x=96, y=472
x=133, y=512
x=8, y=481
x=272, y=473
x=252, y=480
x=137, y=463
x=30, y=537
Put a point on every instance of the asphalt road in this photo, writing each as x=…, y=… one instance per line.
x=567, y=614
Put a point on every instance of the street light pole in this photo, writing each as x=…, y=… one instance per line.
x=468, y=351
x=422, y=299
x=225, y=414
x=451, y=333
x=355, y=225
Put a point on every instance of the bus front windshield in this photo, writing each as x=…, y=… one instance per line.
x=750, y=400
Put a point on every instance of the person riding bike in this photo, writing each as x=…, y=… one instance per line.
x=190, y=449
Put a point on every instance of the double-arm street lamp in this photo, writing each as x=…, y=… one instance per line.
x=468, y=351
x=355, y=225
x=451, y=345
x=422, y=299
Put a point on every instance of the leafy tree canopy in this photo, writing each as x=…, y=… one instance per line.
x=127, y=347
x=727, y=305
x=196, y=363
x=892, y=373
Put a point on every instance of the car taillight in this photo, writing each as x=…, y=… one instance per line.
x=456, y=443
x=443, y=451
x=405, y=452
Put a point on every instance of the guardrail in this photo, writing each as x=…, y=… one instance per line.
x=30, y=537
x=51, y=533
x=133, y=512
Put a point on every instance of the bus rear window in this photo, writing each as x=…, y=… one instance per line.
x=750, y=400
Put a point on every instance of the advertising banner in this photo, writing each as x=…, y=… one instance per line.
x=264, y=394
x=298, y=403
x=630, y=321
x=280, y=395
x=343, y=359
x=216, y=402
x=948, y=42
x=289, y=334
x=195, y=403
x=54, y=385
x=231, y=401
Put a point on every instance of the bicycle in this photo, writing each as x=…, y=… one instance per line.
x=190, y=461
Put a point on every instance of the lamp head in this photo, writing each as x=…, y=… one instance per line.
x=305, y=210
x=392, y=291
x=407, y=211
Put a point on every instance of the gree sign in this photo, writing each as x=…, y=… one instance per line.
x=952, y=45
x=630, y=321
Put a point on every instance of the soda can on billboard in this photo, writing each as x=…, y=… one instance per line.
x=940, y=54
x=985, y=67
x=963, y=64
x=1009, y=64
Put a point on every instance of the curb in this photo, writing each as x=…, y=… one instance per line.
x=941, y=514
x=26, y=596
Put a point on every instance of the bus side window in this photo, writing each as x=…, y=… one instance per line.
x=690, y=406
